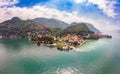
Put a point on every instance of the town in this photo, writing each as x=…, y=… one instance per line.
x=68, y=42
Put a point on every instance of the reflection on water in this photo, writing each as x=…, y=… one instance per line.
x=3, y=55
x=19, y=56
x=14, y=44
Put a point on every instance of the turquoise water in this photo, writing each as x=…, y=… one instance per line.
x=19, y=56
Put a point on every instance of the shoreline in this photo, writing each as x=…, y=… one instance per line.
x=67, y=42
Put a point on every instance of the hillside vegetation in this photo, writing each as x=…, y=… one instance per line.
x=20, y=28
x=79, y=29
x=17, y=28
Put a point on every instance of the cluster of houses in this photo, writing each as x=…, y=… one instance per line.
x=74, y=38
x=69, y=42
x=63, y=43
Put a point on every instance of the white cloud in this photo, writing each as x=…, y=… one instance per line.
x=79, y=1
x=7, y=2
x=107, y=6
x=41, y=11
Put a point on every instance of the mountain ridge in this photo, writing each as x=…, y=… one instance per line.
x=90, y=26
x=17, y=26
x=20, y=28
x=78, y=29
x=51, y=22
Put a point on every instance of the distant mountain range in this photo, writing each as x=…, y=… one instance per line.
x=51, y=22
x=16, y=27
x=61, y=24
x=90, y=26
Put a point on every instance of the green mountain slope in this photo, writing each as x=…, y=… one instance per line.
x=19, y=28
x=90, y=26
x=79, y=29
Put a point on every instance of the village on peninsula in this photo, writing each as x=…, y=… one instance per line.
x=68, y=42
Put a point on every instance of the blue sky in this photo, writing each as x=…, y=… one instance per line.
x=98, y=12
x=67, y=5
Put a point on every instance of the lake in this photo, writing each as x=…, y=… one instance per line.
x=20, y=56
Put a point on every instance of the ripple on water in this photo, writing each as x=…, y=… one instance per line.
x=64, y=70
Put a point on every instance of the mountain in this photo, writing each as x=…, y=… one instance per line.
x=16, y=27
x=51, y=22
x=79, y=29
x=90, y=26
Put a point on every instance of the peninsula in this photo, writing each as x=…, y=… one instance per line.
x=50, y=32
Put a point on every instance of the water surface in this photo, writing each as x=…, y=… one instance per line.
x=20, y=56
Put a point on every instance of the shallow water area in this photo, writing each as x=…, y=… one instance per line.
x=20, y=56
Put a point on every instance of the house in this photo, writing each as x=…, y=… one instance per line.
x=71, y=38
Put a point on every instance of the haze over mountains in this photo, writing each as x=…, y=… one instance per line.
x=18, y=27
x=61, y=24
x=51, y=22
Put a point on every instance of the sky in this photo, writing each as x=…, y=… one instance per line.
x=103, y=14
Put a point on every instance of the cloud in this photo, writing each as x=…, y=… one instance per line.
x=42, y=11
x=79, y=1
x=107, y=6
x=8, y=2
